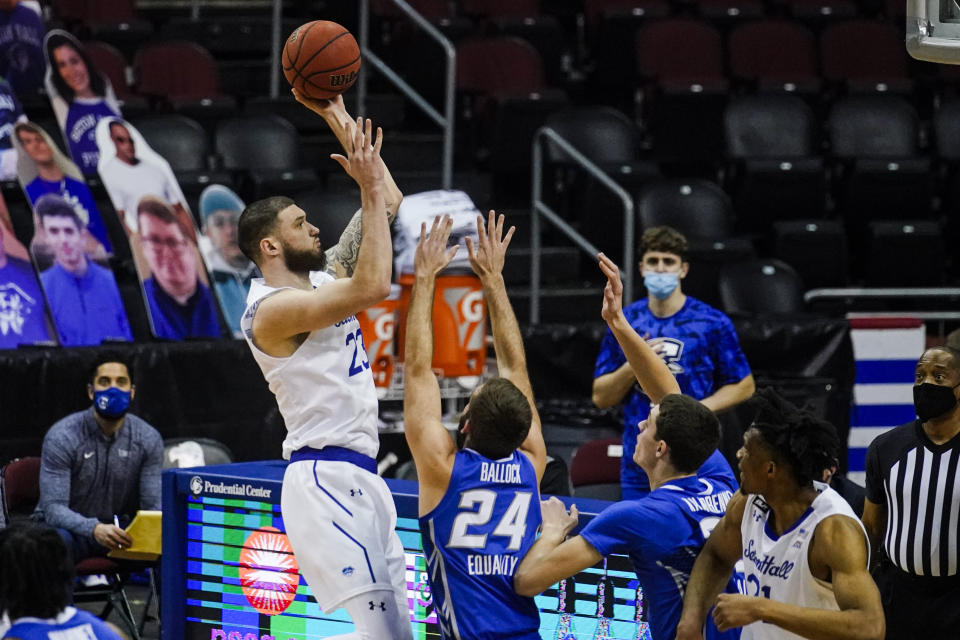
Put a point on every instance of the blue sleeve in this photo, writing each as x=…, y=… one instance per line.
x=610, y=357
x=732, y=366
x=628, y=526
x=717, y=467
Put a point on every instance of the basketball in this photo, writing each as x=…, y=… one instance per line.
x=321, y=59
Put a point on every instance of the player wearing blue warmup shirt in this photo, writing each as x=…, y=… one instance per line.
x=663, y=531
x=36, y=588
x=480, y=506
x=698, y=343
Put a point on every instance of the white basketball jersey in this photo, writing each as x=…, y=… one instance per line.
x=778, y=568
x=325, y=389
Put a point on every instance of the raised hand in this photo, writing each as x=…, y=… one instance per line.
x=488, y=256
x=432, y=254
x=363, y=162
x=613, y=292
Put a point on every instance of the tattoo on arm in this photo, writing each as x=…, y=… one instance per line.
x=347, y=250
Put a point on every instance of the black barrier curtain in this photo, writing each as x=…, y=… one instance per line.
x=210, y=389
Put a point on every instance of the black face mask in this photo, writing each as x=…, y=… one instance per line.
x=933, y=400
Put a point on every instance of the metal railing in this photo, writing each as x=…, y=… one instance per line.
x=539, y=207
x=891, y=293
x=445, y=120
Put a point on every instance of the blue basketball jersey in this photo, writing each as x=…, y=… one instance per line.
x=663, y=532
x=72, y=624
x=701, y=350
x=473, y=541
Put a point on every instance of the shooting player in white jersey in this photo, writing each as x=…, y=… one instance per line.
x=805, y=553
x=479, y=507
x=300, y=325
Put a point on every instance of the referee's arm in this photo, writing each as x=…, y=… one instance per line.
x=875, y=522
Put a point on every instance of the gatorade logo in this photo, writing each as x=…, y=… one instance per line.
x=383, y=327
x=268, y=571
x=471, y=306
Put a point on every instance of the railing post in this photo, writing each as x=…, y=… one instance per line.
x=536, y=188
x=364, y=46
x=275, y=51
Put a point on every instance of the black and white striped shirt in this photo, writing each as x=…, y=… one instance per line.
x=918, y=483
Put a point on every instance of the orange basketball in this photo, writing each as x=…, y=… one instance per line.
x=321, y=59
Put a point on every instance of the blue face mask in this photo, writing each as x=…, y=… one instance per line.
x=661, y=285
x=111, y=403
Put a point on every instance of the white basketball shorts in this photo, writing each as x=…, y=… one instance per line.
x=340, y=521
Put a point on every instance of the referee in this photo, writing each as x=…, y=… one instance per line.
x=913, y=505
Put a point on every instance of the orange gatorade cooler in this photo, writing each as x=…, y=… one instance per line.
x=377, y=324
x=459, y=325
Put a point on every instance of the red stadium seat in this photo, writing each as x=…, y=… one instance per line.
x=595, y=469
x=21, y=487
x=774, y=54
x=112, y=64
x=498, y=65
x=865, y=55
x=176, y=70
x=699, y=60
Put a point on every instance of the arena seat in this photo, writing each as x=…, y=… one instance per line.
x=611, y=27
x=194, y=452
x=183, y=74
x=817, y=249
x=865, y=55
x=595, y=469
x=267, y=149
x=112, y=64
x=545, y=34
x=904, y=253
x=699, y=209
x=946, y=137
x=761, y=286
x=181, y=141
x=883, y=174
x=21, y=488
x=491, y=66
x=773, y=169
x=774, y=55
x=683, y=95
x=610, y=140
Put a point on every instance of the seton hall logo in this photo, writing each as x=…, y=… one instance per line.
x=342, y=79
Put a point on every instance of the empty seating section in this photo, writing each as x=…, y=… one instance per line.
x=796, y=130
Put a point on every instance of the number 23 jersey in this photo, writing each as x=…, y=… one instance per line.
x=473, y=541
x=324, y=390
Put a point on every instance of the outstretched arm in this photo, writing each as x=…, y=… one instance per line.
x=840, y=549
x=487, y=259
x=712, y=570
x=432, y=448
x=651, y=371
x=552, y=557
